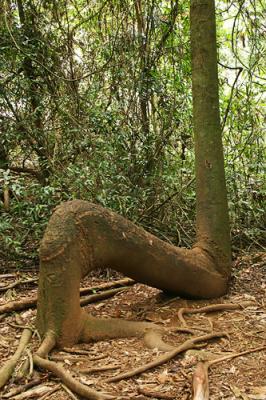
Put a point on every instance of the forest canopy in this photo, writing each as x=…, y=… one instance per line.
x=96, y=104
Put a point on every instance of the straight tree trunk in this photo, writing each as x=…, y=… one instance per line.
x=213, y=234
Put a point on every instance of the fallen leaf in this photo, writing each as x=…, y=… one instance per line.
x=163, y=377
x=87, y=381
x=258, y=393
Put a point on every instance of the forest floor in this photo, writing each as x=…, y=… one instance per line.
x=243, y=377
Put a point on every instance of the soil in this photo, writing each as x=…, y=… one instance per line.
x=240, y=378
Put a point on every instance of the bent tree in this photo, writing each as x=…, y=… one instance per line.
x=81, y=236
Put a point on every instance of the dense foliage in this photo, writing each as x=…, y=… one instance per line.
x=95, y=103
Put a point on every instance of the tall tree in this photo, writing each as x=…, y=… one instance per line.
x=81, y=236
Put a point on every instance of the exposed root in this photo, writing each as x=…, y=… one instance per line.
x=188, y=344
x=100, y=329
x=153, y=340
x=200, y=380
x=7, y=370
x=39, y=360
x=47, y=344
x=69, y=381
x=206, y=309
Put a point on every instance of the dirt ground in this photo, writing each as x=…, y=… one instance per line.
x=241, y=378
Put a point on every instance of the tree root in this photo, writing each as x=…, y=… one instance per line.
x=188, y=344
x=9, y=367
x=200, y=380
x=68, y=380
x=211, y=308
x=153, y=340
x=19, y=305
x=39, y=360
x=68, y=391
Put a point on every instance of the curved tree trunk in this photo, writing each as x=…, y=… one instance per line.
x=81, y=236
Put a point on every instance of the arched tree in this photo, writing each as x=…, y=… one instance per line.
x=81, y=236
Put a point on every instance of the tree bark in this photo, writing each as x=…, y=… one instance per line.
x=82, y=236
x=212, y=220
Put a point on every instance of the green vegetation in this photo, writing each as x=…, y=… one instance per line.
x=96, y=104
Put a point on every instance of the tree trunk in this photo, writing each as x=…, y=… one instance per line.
x=81, y=236
x=213, y=234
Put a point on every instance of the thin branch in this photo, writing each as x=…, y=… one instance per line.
x=230, y=98
x=18, y=305
x=17, y=283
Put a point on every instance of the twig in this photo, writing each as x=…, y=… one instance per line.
x=108, y=285
x=8, y=368
x=157, y=395
x=18, y=305
x=188, y=344
x=74, y=351
x=240, y=69
x=17, y=283
x=40, y=392
x=3, y=276
x=53, y=390
x=231, y=356
x=71, y=359
x=22, y=388
x=206, y=309
x=101, y=296
x=30, y=362
x=200, y=380
x=98, y=369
